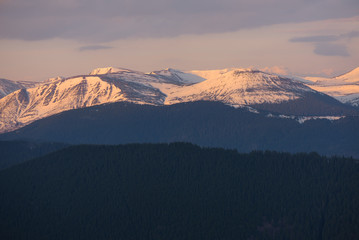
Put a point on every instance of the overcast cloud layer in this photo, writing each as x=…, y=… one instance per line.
x=101, y=21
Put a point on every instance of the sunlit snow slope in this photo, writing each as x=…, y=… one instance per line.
x=27, y=105
x=345, y=87
x=236, y=87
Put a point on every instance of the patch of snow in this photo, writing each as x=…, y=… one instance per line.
x=178, y=76
x=304, y=80
x=108, y=70
x=252, y=110
x=352, y=99
x=302, y=119
x=54, y=79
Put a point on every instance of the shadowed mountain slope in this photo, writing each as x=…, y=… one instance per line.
x=204, y=123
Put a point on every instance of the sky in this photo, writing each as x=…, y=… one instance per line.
x=40, y=39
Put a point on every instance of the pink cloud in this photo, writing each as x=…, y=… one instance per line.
x=281, y=70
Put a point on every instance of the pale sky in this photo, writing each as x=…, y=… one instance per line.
x=40, y=39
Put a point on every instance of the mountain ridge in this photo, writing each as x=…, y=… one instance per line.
x=8, y=86
x=235, y=87
x=344, y=88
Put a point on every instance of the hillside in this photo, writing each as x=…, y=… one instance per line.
x=179, y=191
x=204, y=123
x=15, y=152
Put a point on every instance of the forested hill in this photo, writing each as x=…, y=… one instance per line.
x=209, y=124
x=15, y=152
x=179, y=191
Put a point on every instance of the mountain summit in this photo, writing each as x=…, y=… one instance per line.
x=179, y=77
x=27, y=105
x=239, y=87
x=108, y=70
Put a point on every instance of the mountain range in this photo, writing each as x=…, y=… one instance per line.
x=248, y=88
x=64, y=176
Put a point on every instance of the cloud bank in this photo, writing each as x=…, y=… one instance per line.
x=320, y=38
x=328, y=45
x=93, y=48
x=102, y=21
x=329, y=49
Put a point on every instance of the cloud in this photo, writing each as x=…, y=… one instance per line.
x=93, y=48
x=329, y=49
x=281, y=70
x=325, y=38
x=319, y=38
x=327, y=45
x=100, y=21
x=353, y=34
x=326, y=71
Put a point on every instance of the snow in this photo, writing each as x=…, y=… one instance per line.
x=8, y=86
x=236, y=87
x=337, y=91
x=78, y=92
x=252, y=110
x=303, y=119
x=210, y=74
x=344, y=88
x=178, y=76
x=298, y=79
x=108, y=70
x=54, y=79
x=189, y=77
x=350, y=77
x=352, y=99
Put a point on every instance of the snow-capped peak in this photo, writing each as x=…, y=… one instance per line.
x=108, y=70
x=54, y=79
x=350, y=77
x=209, y=74
x=237, y=87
